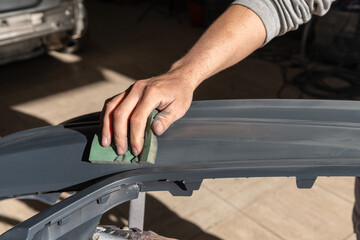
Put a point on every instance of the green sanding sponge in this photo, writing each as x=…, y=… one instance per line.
x=100, y=154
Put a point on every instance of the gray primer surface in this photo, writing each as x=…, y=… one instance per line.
x=312, y=138
x=216, y=139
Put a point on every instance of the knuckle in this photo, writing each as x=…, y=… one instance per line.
x=135, y=120
x=136, y=142
x=133, y=141
x=152, y=90
x=164, y=120
x=110, y=104
x=118, y=137
x=139, y=84
x=118, y=114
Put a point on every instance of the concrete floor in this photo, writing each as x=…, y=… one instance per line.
x=56, y=87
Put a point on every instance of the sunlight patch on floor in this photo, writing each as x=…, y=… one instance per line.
x=65, y=105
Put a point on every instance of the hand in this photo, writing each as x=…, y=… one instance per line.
x=233, y=36
x=171, y=95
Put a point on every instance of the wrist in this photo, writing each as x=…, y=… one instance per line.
x=187, y=72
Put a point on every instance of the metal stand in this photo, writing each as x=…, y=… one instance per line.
x=137, y=212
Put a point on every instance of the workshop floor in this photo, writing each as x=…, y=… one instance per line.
x=56, y=87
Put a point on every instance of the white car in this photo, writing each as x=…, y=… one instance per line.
x=31, y=27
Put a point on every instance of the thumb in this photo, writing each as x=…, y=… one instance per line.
x=162, y=121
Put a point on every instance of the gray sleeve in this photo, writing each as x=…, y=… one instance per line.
x=281, y=16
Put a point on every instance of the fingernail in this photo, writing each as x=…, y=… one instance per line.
x=124, y=147
x=158, y=127
x=120, y=150
x=105, y=141
x=135, y=151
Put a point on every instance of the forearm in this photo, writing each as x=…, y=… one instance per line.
x=232, y=37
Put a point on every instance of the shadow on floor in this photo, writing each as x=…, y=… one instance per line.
x=8, y=220
x=13, y=121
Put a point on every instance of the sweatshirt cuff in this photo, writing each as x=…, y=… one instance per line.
x=266, y=11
